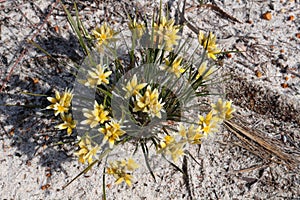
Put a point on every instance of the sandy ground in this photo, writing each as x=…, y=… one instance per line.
x=265, y=87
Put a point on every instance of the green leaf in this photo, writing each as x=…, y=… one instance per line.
x=193, y=157
x=75, y=28
x=88, y=167
x=79, y=23
x=145, y=152
x=41, y=49
x=103, y=185
x=83, y=172
x=175, y=166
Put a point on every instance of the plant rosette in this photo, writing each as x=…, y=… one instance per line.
x=144, y=88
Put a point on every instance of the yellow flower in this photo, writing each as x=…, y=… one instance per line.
x=205, y=72
x=112, y=132
x=104, y=34
x=133, y=88
x=61, y=103
x=148, y=103
x=209, y=124
x=171, y=37
x=165, y=32
x=229, y=111
x=209, y=44
x=170, y=147
x=121, y=170
x=192, y=135
x=155, y=109
x=223, y=110
x=174, y=67
x=98, y=115
x=167, y=140
x=124, y=177
x=137, y=29
x=165, y=23
x=68, y=123
x=87, y=151
x=97, y=76
x=131, y=164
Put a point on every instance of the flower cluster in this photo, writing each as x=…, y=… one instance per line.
x=209, y=44
x=174, y=67
x=175, y=144
x=169, y=146
x=112, y=132
x=192, y=134
x=87, y=150
x=166, y=33
x=97, y=76
x=68, y=123
x=104, y=34
x=61, y=104
x=223, y=110
x=122, y=169
x=160, y=92
x=137, y=29
x=132, y=88
x=149, y=102
x=95, y=116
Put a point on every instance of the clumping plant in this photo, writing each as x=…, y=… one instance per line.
x=145, y=84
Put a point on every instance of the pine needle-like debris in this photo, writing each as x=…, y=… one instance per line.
x=260, y=145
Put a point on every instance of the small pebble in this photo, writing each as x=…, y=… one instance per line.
x=258, y=73
x=56, y=29
x=284, y=85
x=228, y=55
x=267, y=16
x=45, y=187
x=286, y=78
x=291, y=18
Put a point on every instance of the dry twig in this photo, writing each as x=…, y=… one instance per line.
x=265, y=148
x=216, y=9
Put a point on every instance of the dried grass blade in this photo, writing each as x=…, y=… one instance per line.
x=272, y=148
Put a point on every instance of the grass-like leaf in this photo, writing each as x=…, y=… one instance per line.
x=145, y=152
x=192, y=157
x=105, y=153
x=75, y=28
x=83, y=172
x=103, y=183
x=175, y=166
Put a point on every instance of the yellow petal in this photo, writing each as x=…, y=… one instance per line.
x=51, y=99
x=57, y=95
x=69, y=131
x=61, y=126
x=119, y=180
x=128, y=182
